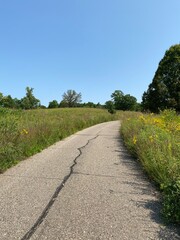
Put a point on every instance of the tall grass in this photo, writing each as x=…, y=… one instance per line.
x=24, y=133
x=155, y=141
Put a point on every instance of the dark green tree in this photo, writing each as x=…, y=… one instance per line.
x=164, y=91
x=7, y=102
x=117, y=98
x=109, y=105
x=123, y=102
x=129, y=102
x=63, y=104
x=17, y=103
x=29, y=101
x=71, y=98
x=90, y=105
x=53, y=104
x=1, y=98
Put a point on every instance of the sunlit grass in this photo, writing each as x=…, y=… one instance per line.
x=24, y=133
x=155, y=141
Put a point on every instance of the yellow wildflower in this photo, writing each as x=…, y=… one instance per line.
x=24, y=131
x=142, y=118
x=134, y=140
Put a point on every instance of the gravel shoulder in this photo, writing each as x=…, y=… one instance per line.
x=85, y=187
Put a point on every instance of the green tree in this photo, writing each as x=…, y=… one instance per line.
x=129, y=102
x=164, y=91
x=53, y=104
x=1, y=98
x=17, y=103
x=117, y=98
x=123, y=102
x=71, y=98
x=63, y=104
x=7, y=102
x=29, y=101
x=90, y=105
x=109, y=105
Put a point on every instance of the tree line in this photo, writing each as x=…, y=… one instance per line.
x=69, y=99
x=162, y=93
x=27, y=102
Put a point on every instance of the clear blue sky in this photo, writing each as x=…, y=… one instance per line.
x=92, y=46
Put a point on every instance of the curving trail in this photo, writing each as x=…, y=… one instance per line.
x=84, y=187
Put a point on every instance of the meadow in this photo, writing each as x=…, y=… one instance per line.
x=152, y=139
x=155, y=141
x=24, y=133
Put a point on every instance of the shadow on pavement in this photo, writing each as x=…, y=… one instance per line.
x=144, y=186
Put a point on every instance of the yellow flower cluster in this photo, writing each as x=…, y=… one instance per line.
x=24, y=132
x=161, y=122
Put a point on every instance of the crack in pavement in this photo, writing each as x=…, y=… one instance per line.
x=46, y=210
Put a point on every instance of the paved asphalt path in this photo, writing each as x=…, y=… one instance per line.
x=85, y=187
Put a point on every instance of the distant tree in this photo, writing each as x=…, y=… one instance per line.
x=98, y=105
x=117, y=97
x=53, y=104
x=17, y=103
x=138, y=107
x=71, y=98
x=7, y=102
x=1, y=97
x=42, y=107
x=123, y=102
x=29, y=101
x=129, y=102
x=90, y=105
x=164, y=91
x=109, y=105
x=63, y=104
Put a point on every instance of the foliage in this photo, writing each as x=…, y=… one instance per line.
x=7, y=102
x=71, y=98
x=171, y=204
x=1, y=97
x=89, y=105
x=164, y=91
x=53, y=104
x=154, y=140
x=109, y=105
x=29, y=101
x=124, y=102
x=63, y=104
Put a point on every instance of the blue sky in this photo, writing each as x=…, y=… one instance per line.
x=92, y=46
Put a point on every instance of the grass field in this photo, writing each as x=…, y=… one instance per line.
x=24, y=133
x=155, y=141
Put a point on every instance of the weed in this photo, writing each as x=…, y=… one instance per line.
x=154, y=140
x=24, y=133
